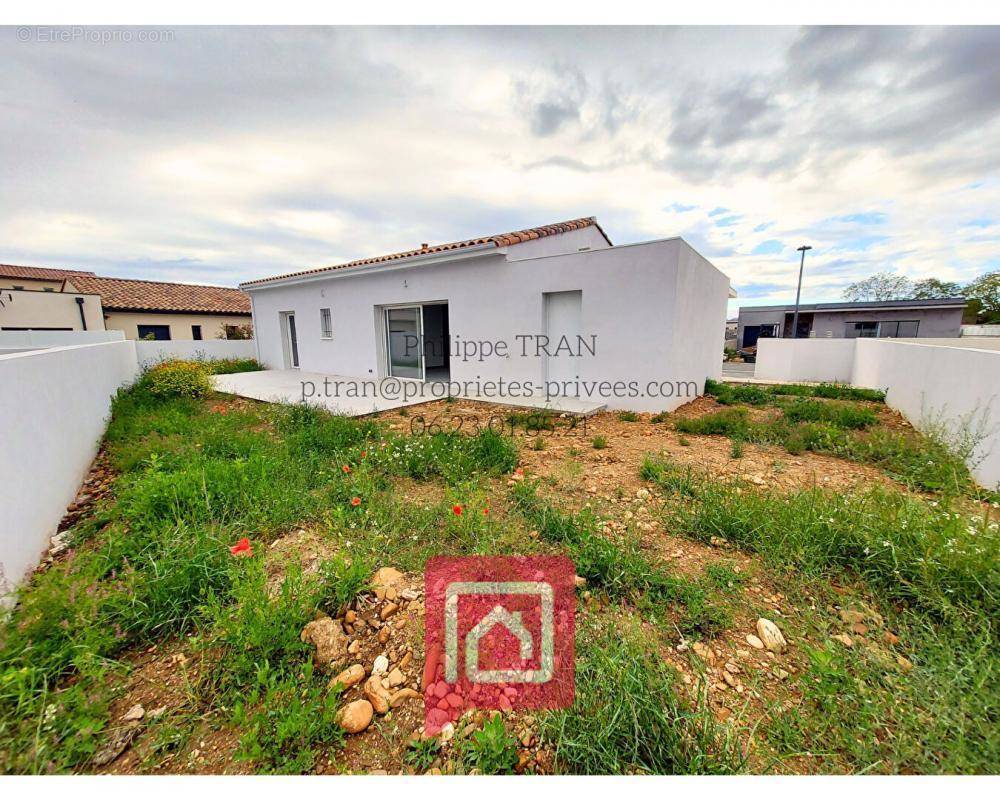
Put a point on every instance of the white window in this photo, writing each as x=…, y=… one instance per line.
x=325, y=324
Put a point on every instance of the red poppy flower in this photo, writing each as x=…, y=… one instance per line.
x=457, y=509
x=364, y=453
x=355, y=501
x=519, y=471
x=346, y=468
x=486, y=511
x=242, y=548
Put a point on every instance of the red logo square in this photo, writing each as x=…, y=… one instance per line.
x=499, y=635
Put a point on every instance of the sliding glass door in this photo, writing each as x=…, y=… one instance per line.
x=405, y=333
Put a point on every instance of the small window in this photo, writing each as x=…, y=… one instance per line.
x=157, y=332
x=325, y=324
x=861, y=330
x=196, y=332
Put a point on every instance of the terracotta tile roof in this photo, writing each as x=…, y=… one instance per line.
x=123, y=294
x=39, y=273
x=497, y=240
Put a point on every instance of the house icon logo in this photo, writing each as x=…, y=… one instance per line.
x=498, y=634
x=499, y=616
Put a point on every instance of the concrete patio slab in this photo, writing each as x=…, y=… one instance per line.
x=358, y=397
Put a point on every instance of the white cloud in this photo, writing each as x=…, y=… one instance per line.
x=228, y=154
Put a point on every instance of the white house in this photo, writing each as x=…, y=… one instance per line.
x=555, y=310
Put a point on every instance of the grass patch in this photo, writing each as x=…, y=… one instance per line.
x=669, y=476
x=935, y=573
x=599, y=442
x=628, y=416
x=628, y=718
x=840, y=415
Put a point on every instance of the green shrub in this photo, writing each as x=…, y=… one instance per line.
x=492, y=750
x=842, y=415
x=628, y=416
x=599, y=442
x=228, y=366
x=728, y=422
x=177, y=379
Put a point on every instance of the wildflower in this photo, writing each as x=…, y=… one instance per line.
x=346, y=468
x=242, y=548
x=355, y=501
x=457, y=509
x=364, y=453
x=486, y=511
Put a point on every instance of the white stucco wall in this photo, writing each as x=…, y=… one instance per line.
x=152, y=352
x=929, y=385
x=54, y=405
x=39, y=339
x=791, y=360
x=657, y=311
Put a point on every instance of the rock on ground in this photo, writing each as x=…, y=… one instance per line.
x=328, y=637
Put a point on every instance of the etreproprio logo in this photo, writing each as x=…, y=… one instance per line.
x=499, y=635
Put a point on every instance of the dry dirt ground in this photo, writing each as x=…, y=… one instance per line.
x=742, y=681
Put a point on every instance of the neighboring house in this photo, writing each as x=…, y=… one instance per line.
x=731, y=328
x=36, y=298
x=157, y=310
x=645, y=312
x=40, y=298
x=883, y=319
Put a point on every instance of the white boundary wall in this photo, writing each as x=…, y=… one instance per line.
x=153, y=352
x=54, y=406
x=932, y=382
x=933, y=385
x=792, y=360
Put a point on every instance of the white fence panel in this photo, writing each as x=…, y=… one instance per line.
x=792, y=360
x=34, y=340
x=54, y=405
x=958, y=387
x=153, y=352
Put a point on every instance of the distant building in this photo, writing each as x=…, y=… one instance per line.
x=41, y=298
x=882, y=319
x=732, y=326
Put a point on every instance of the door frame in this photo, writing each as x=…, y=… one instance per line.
x=290, y=354
x=546, y=300
x=420, y=333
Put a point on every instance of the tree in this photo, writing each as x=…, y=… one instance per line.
x=880, y=286
x=984, y=295
x=932, y=289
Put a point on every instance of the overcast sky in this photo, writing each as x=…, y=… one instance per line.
x=222, y=155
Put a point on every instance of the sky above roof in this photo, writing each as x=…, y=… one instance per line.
x=224, y=155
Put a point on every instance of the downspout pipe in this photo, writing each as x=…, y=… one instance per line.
x=83, y=319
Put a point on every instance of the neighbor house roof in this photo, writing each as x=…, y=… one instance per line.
x=39, y=273
x=123, y=294
x=867, y=305
x=497, y=240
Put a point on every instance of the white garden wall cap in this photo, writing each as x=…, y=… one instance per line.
x=497, y=240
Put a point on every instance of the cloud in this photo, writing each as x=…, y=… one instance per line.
x=232, y=153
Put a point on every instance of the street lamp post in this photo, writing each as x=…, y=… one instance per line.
x=798, y=291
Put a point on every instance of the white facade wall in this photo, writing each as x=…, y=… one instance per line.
x=930, y=385
x=54, y=405
x=153, y=352
x=792, y=360
x=657, y=311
